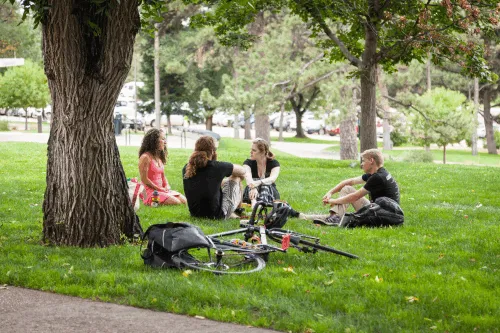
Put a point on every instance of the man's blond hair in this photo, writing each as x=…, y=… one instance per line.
x=375, y=154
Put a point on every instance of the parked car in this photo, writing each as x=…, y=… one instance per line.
x=175, y=119
x=312, y=125
x=222, y=119
x=241, y=120
x=335, y=130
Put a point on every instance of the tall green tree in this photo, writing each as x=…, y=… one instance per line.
x=23, y=87
x=368, y=33
x=87, y=50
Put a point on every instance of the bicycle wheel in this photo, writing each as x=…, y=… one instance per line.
x=220, y=260
x=327, y=249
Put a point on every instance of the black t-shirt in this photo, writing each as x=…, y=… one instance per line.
x=381, y=184
x=203, y=191
x=270, y=164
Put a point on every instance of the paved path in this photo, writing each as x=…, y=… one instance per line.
x=25, y=310
x=306, y=150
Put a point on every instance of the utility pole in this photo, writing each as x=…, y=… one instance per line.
x=157, y=76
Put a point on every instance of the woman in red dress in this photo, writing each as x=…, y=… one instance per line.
x=152, y=159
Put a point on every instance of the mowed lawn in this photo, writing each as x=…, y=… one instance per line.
x=439, y=272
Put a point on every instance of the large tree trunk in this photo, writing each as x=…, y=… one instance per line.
x=86, y=200
x=488, y=122
x=368, y=72
x=300, y=130
x=209, y=123
x=262, y=129
x=247, y=126
x=348, y=138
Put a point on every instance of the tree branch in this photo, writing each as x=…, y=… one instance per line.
x=319, y=19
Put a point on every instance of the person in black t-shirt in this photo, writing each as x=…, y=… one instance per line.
x=377, y=181
x=261, y=172
x=208, y=192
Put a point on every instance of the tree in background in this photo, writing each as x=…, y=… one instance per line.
x=18, y=40
x=24, y=87
x=370, y=33
x=442, y=117
x=190, y=61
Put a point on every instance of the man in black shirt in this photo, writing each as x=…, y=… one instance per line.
x=208, y=192
x=378, y=183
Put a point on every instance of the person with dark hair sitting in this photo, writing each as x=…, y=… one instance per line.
x=212, y=188
x=152, y=159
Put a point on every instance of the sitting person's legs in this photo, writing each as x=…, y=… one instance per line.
x=231, y=195
x=340, y=210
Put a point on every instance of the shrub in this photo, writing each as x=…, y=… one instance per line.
x=497, y=139
x=4, y=126
x=398, y=138
x=418, y=156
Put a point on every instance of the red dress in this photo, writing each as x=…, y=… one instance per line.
x=157, y=177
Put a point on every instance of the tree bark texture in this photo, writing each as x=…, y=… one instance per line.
x=368, y=79
x=209, y=123
x=247, y=126
x=488, y=122
x=86, y=199
x=348, y=139
x=262, y=127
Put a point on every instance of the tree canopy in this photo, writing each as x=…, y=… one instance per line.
x=370, y=33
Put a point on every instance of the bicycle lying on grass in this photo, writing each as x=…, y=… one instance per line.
x=237, y=256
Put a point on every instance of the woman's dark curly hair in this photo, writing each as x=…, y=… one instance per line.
x=150, y=145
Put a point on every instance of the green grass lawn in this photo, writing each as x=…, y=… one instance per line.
x=439, y=272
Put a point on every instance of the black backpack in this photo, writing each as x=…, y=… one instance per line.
x=381, y=213
x=167, y=239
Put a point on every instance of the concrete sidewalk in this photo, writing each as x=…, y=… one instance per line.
x=304, y=150
x=25, y=310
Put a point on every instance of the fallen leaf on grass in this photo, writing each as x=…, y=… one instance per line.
x=479, y=205
x=327, y=283
x=187, y=272
x=366, y=275
x=378, y=280
x=472, y=259
x=411, y=299
x=441, y=256
x=289, y=269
